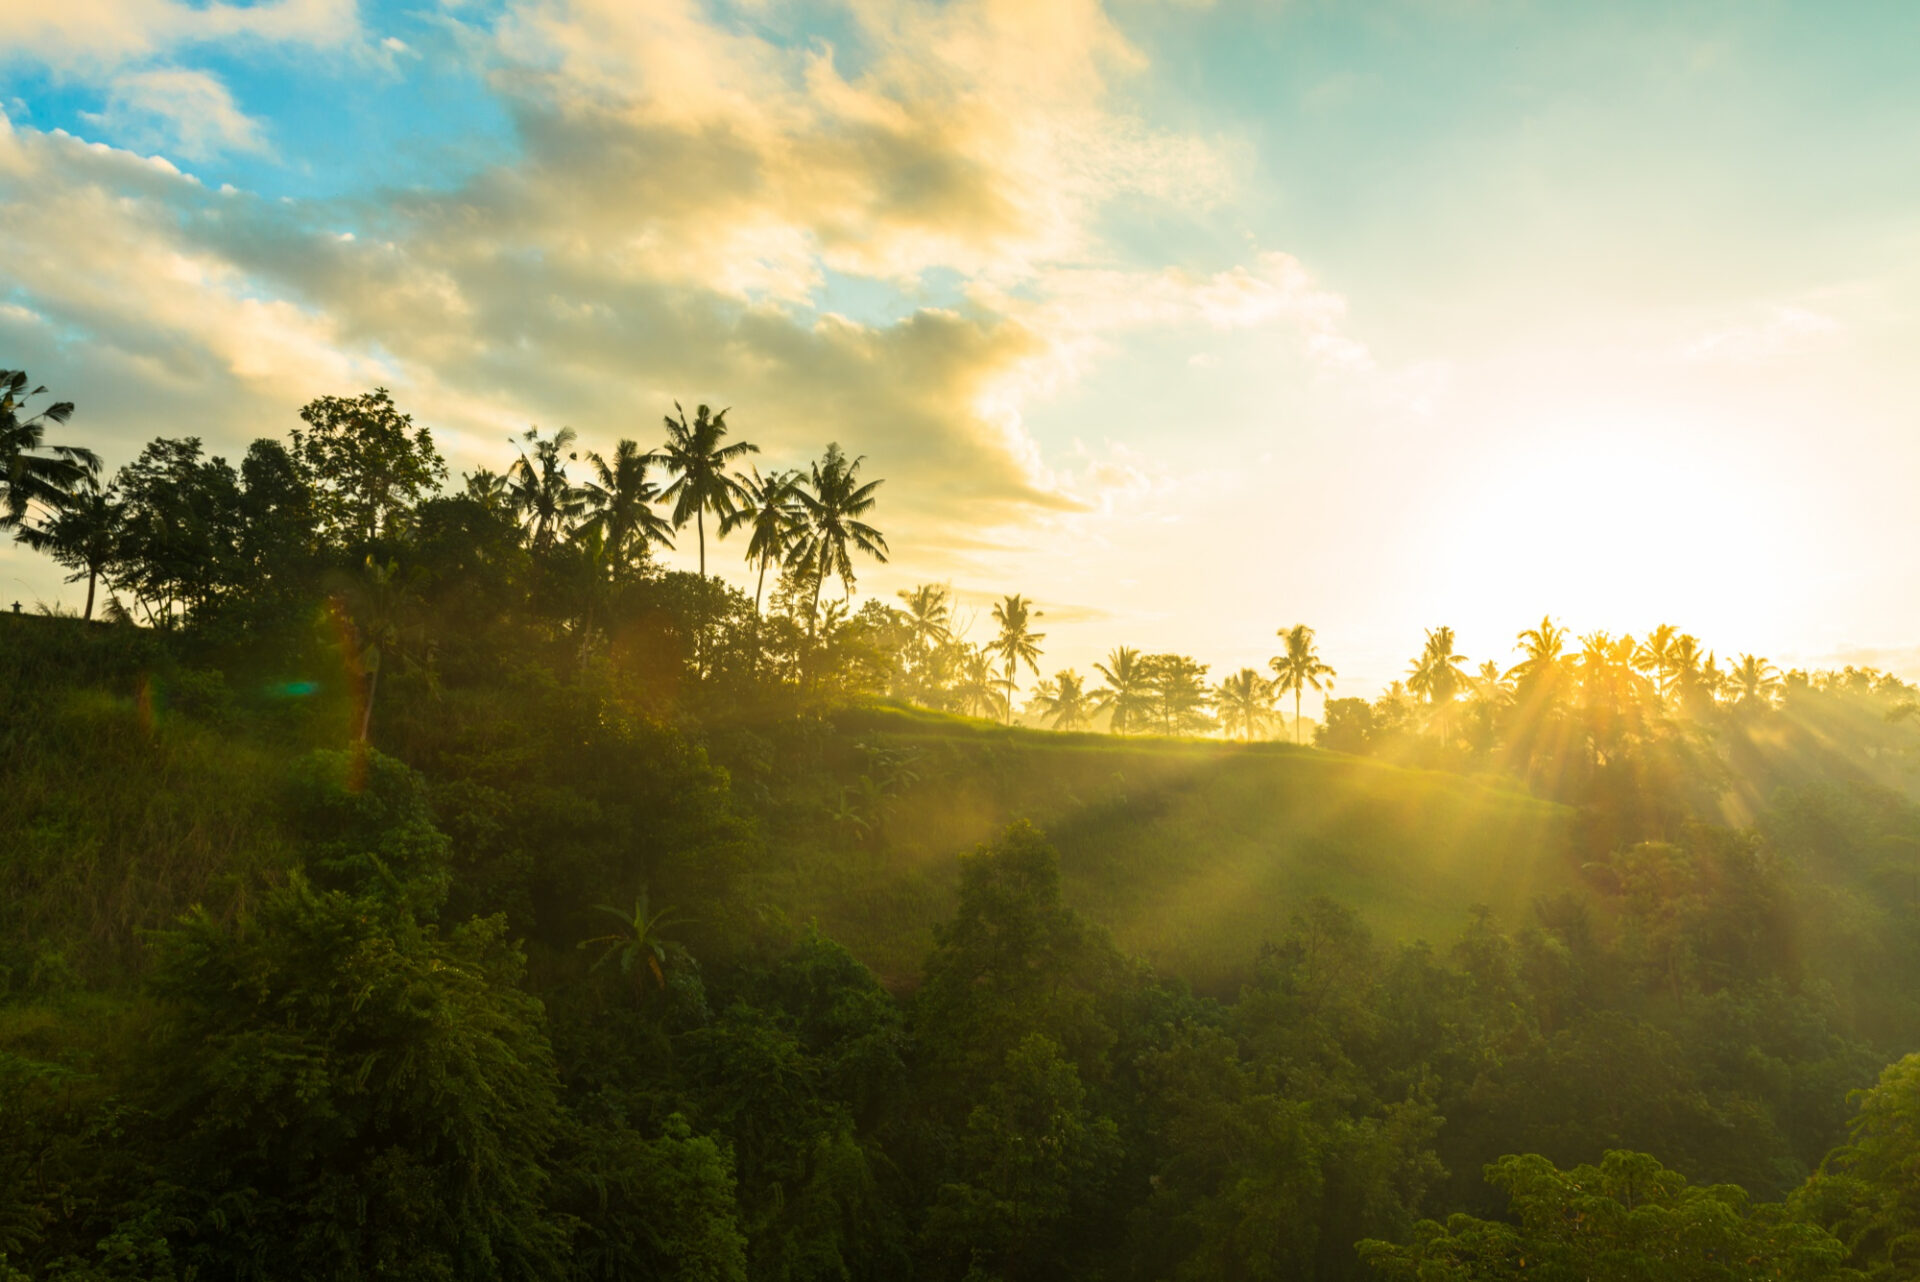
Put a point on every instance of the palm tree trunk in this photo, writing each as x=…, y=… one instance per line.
x=700, y=523
x=1296, y=717
x=366, y=710
x=87, y=615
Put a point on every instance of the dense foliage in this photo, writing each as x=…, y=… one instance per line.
x=432, y=888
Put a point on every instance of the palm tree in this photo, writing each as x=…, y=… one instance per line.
x=1017, y=643
x=539, y=490
x=637, y=944
x=770, y=508
x=1754, y=681
x=489, y=489
x=1655, y=655
x=1541, y=650
x=620, y=502
x=978, y=690
x=378, y=615
x=31, y=471
x=1436, y=675
x=83, y=535
x=929, y=616
x=1245, y=701
x=1128, y=694
x=699, y=462
x=830, y=527
x=1300, y=669
x=1064, y=702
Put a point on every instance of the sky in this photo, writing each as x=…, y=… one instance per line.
x=1188, y=321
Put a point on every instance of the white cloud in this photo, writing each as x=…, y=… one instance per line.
x=88, y=37
x=171, y=107
x=1782, y=331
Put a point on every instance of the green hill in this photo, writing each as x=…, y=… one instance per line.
x=1192, y=852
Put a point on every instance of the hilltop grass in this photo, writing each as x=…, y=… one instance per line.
x=1193, y=852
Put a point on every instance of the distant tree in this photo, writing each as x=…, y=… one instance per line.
x=1346, y=725
x=699, y=462
x=1245, y=703
x=979, y=691
x=33, y=473
x=1655, y=655
x=368, y=460
x=831, y=528
x=179, y=535
x=929, y=616
x=1180, y=694
x=1127, y=698
x=1064, y=702
x=382, y=605
x=82, y=535
x=1017, y=643
x=771, y=511
x=489, y=489
x=1437, y=675
x=1754, y=681
x=619, y=502
x=1300, y=669
x=538, y=488
x=639, y=946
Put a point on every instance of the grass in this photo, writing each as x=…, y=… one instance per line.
x=1193, y=852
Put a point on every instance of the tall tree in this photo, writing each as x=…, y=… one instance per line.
x=1437, y=675
x=368, y=460
x=1180, y=693
x=771, y=511
x=1300, y=669
x=1127, y=698
x=1245, y=703
x=619, y=501
x=547, y=501
x=978, y=690
x=929, y=616
x=699, y=462
x=831, y=527
x=33, y=473
x=1064, y=702
x=1655, y=655
x=1017, y=643
x=82, y=535
x=1754, y=681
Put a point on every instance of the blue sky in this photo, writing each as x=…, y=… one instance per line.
x=1190, y=320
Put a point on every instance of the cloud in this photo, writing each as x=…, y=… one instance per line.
x=88, y=37
x=1783, y=331
x=188, y=111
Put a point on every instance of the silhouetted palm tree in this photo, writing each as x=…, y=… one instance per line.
x=539, y=489
x=1655, y=655
x=694, y=454
x=770, y=508
x=638, y=944
x=619, y=502
x=489, y=489
x=83, y=535
x=1128, y=694
x=1541, y=651
x=929, y=616
x=1017, y=643
x=1437, y=676
x=1300, y=669
x=1063, y=702
x=31, y=471
x=1754, y=681
x=978, y=692
x=830, y=525
x=1244, y=702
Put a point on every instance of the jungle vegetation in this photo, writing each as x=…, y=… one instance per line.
x=405, y=878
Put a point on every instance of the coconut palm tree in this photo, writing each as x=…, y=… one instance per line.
x=1655, y=655
x=699, y=461
x=830, y=527
x=637, y=945
x=771, y=512
x=1017, y=643
x=83, y=535
x=1437, y=676
x=1064, y=702
x=929, y=616
x=1299, y=669
x=1127, y=697
x=539, y=490
x=1754, y=681
x=1245, y=703
x=33, y=473
x=978, y=691
x=619, y=503
x=1541, y=652
x=489, y=489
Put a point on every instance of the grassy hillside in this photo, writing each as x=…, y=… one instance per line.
x=1194, y=852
